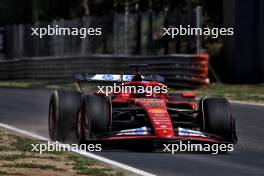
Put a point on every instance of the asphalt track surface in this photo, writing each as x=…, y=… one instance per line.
x=28, y=110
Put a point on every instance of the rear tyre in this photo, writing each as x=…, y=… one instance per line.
x=217, y=118
x=63, y=108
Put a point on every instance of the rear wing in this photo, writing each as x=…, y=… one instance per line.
x=115, y=77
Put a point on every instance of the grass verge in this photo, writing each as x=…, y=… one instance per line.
x=245, y=93
x=16, y=158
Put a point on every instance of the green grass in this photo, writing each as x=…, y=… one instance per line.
x=246, y=93
x=98, y=172
x=81, y=160
x=23, y=155
x=8, y=173
x=10, y=157
x=23, y=144
x=20, y=84
x=33, y=166
x=3, y=148
x=21, y=149
x=83, y=167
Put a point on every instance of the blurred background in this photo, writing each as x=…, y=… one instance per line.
x=132, y=32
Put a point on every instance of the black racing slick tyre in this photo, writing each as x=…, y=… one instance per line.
x=217, y=118
x=98, y=109
x=63, y=109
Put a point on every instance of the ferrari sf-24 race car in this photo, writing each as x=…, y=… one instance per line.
x=135, y=116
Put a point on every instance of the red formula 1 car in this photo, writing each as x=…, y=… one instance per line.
x=138, y=116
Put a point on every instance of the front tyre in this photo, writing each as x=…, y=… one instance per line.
x=217, y=118
x=96, y=117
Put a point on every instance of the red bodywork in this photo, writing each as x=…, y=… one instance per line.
x=157, y=112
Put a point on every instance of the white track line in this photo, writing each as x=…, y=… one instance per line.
x=26, y=133
x=88, y=154
x=123, y=166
